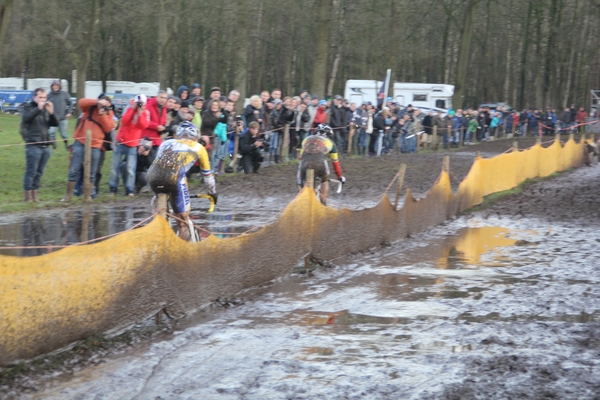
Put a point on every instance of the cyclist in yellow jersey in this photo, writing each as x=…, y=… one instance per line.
x=312, y=156
x=167, y=173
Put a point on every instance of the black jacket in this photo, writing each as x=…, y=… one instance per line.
x=337, y=117
x=246, y=143
x=209, y=121
x=36, y=123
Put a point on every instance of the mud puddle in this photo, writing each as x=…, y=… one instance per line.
x=475, y=308
x=38, y=234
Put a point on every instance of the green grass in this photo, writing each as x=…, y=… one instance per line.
x=54, y=180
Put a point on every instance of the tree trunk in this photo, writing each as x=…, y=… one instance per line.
x=527, y=40
x=6, y=8
x=323, y=31
x=240, y=80
x=463, y=55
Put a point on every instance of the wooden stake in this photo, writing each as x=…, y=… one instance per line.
x=87, y=167
x=434, y=138
x=557, y=137
x=350, y=136
x=400, y=184
x=285, y=150
x=161, y=205
x=515, y=146
x=236, y=145
x=310, y=178
x=446, y=164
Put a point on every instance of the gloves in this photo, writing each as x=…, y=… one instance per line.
x=214, y=196
x=343, y=179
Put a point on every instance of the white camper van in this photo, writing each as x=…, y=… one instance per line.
x=45, y=83
x=94, y=88
x=426, y=96
x=360, y=90
x=11, y=83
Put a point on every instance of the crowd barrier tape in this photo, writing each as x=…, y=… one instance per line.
x=50, y=301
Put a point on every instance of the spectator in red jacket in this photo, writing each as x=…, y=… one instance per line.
x=135, y=119
x=580, y=118
x=321, y=115
x=157, y=107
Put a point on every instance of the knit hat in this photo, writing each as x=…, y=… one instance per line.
x=322, y=102
x=185, y=103
x=216, y=89
x=277, y=101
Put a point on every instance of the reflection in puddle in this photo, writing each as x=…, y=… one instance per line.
x=67, y=227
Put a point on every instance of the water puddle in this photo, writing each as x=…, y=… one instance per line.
x=39, y=234
x=390, y=323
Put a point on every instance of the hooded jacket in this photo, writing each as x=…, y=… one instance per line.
x=102, y=124
x=132, y=125
x=181, y=89
x=158, y=116
x=61, y=101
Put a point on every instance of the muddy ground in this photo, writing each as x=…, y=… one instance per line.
x=499, y=303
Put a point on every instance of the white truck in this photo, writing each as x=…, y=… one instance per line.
x=94, y=88
x=425, y=96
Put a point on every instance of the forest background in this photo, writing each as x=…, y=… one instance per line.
x=528, y=53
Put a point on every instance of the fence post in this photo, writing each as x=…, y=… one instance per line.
x=515, y=146
x=285, y=149
x=310, y=178
x=557, y=137
x=87, y=167
x=400, y=184
x=350, y=137
x=538, y=140
x=434, y=138
x=236, y=145
x=446, y=164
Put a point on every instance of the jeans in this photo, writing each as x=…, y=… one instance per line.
x=274, y=143
x=338, y=135
x=362, y=138
x=77, y=162
x=412, y=144
x=130, y=154
x=63, y=127
x=467, y=137
x=523, y=129
x=36, y=159
x=141, y=177
x=219, y=153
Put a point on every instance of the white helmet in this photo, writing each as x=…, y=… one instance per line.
x=187, y=129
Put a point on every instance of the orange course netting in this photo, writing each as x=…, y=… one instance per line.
x=50, y=301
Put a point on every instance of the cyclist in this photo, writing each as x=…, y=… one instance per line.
x=312, y=156
x=167, y=173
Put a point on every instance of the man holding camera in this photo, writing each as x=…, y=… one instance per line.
x=97, y=117
x=135, y=119
x=250, y=146
x=38, y=116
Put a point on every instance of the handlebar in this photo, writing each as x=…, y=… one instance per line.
x=206, y=196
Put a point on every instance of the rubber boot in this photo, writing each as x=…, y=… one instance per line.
x=66, y=144
x=35, y=196
x=276, y=159
x=69, y=193
x=27, y=196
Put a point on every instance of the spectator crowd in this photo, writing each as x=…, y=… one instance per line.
x=270, y=129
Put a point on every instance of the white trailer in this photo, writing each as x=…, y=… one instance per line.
x=361, y=90
x=425, y=96
x=94, y=88
x=14, y=83
x=45, y=83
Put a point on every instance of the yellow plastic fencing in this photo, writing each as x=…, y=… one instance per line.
x=50, y=301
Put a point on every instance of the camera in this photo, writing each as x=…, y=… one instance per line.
x=139, y=104
x=107, y=108
x=265, y=142
x=238, y=120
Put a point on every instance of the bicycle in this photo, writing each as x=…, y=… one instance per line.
x=160, y=202
x=318, y=184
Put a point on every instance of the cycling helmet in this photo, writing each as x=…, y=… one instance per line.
x=187, y=129
x=324, y=130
